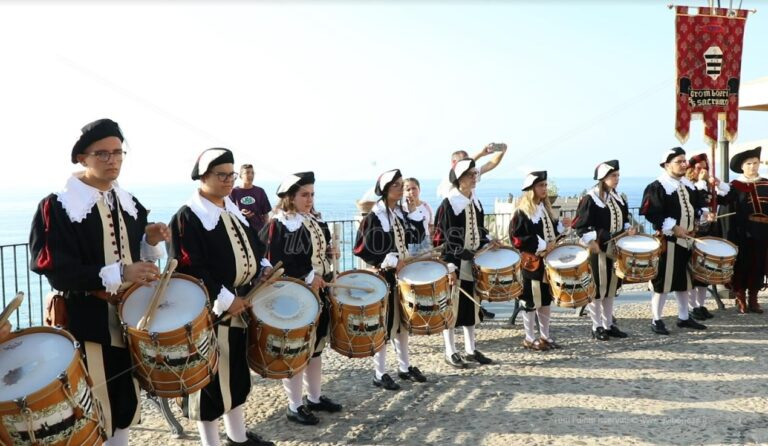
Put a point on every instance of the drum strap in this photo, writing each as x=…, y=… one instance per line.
x=116, y=248
x=245, y=267
x=399, y=237
x=548, y=227
x=320, y=262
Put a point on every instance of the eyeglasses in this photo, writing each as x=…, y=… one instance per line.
x=223, y=176
x=105, y=156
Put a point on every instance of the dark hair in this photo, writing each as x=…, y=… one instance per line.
x=246, y=166
x=459, y=153
x=412, y=180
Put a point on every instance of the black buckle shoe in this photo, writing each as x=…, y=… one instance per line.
x=413, y=374
x=690, y=323
x=616, y=333
x=325, y=404
x=302, y=416
x=386, y=382
x=706, y=313
x=487, y=314
x=659, y=328
x=697, y=314
x=252, y=439
x=600, y=334
x=478, y=358
x=456, y=361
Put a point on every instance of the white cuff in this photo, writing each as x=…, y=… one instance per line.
x=309, y=277
x=701, y=185
x=223, y=301
x=265, y=263
x=451, y=268
x=667, y=226
x=627, y=226
x=542, y=244
x=723, y=189
x=588, y=237
x=560, y=227
x=149, y=253
x=390, y=261
x=110, y=277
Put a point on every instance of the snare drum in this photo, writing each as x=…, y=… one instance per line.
x=570, y=275
x=425, y=298
x=45, y=391
x=283, y=328
x=496, y=275
x=637, y=258
x=177, y=354
x=358, y=318
x=712, y=260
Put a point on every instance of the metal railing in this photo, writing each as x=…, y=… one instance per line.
x=15, y=274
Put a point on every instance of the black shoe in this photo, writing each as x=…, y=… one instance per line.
x=615, y=332
x=600, y=334
x=690, y=323
x=301, y=416
x=478, y=358
x=707, y=313
x=659, y=328
x=487, y=314
x=325, y=404
x=457, y=361
x=251, y=440
x=386, y=382
x=697, y=314
x=413, y=374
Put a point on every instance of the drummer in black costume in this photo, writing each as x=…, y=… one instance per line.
x=212, y=242
x=301, y=240
x=89, y=241
x=460, y=229
x=382, y=243
x=602, y=215
x=671, y=204
x=533, y=231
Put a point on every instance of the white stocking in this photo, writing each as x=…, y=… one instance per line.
x=682, y=304
x=607, y=312
x=293, y=388
x=543, y=314
x=657, y=305
x=234, y=424
x=469, y=339
x=209, y=433
x=401, y=347
x=380, y=362
x=450, y=342
x=528, y=321
x=313, y=379
x=596, y=313
x=119, y=438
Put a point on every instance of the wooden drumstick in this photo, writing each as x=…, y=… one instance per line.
x=277, y=271
x=13, y=305
x=468, y=296
x=350, y=287
x=725, y=215
x=170, y=267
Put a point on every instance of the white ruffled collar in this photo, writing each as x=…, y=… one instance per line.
x=744, y=179
x=459, y=202
x=538, y=214
x=381, y=212
x=78, y=198
x=671, y=185
x=209, y=213
x=292, y=221
x=595, y=194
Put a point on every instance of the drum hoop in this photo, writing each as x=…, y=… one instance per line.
x=44, y=392
x=548, y=265
x=487, y=269
x=717, y=239
x=653, y=251
x=303, y=284
x=332, y=294
x=170, y=333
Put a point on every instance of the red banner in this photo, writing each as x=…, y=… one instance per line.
x=709, y=47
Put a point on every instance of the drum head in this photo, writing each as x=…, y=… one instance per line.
x=32, y=361
x=638, y=243
x=360, y=297
x=715, y=247
x=285, y=304
x=567, y=256
x=500, y=258
x=184, y=300
x=422, y=272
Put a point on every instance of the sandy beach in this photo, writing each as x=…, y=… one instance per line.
x=692, y=387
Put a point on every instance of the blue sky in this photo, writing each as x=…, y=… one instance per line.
x=350, y=89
